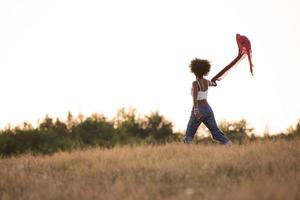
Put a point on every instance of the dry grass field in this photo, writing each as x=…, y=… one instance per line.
x=261, y=170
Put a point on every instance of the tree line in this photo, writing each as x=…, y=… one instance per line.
x=126, y=128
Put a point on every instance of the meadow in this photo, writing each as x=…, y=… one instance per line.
x=257, y=170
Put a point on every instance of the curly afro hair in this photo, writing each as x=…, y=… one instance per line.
x=200, y=67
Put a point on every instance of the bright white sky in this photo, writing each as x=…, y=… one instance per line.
x=98, y=56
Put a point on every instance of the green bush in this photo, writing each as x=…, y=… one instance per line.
x=127, y=128
x=238, y=131
x=54, y=135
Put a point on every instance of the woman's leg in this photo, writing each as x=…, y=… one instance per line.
x=191, y=128
x=211, y=124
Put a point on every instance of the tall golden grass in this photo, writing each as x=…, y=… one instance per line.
x=261, y=170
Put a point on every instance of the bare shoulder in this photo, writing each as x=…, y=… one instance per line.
x=195, y=83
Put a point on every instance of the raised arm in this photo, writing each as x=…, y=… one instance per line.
x=222, y=73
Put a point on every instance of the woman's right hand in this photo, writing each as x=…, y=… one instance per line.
x=197, y=113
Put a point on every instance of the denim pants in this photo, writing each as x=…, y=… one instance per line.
x=208, y=118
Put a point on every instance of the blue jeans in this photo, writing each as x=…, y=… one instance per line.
x=208, y=118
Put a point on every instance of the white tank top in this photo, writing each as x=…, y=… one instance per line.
x=201, y=94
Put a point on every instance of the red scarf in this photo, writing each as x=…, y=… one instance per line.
x=244, y=48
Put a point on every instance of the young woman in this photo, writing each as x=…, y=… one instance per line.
x=202, y=112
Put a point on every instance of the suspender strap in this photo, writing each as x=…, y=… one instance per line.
x=199, y=85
